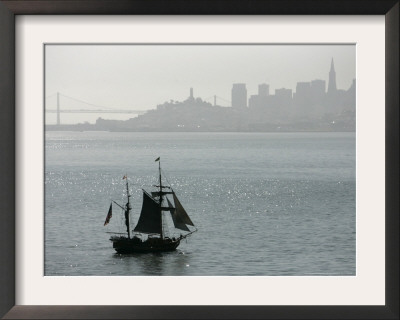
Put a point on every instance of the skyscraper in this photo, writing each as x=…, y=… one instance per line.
x=332, y=80
x=263, y=90
x=303, y=94
x=318, y=88
x=239, y=95
x=191, y=97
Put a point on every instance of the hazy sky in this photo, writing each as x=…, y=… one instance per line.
x=142, y=76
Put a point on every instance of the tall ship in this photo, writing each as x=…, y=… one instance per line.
x=150, y=233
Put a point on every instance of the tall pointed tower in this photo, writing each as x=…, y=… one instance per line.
x=332, y=80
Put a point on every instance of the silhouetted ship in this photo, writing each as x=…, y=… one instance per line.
x=151, y=221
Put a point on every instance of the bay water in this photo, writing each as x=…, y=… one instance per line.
x=265, y=204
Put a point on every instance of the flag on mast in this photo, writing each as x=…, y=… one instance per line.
x=109, y=215
x=158, y=159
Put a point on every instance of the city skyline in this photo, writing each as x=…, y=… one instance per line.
x=141, y=77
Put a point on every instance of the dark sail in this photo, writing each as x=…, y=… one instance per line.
x=178, y=223
x=179, y=211
x=150, y=217
x=109, y=215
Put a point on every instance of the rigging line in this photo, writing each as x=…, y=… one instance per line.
x=166, y=178
x=118, y=204
x=223, y=99
x=121, y=222
x=88, y=103
x=50, y=95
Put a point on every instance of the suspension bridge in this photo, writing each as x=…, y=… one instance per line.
x=217, y=100
x=67, y=104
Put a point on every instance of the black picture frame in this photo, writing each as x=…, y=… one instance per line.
x=8, y=11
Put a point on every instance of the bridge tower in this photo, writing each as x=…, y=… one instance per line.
x=58, y=108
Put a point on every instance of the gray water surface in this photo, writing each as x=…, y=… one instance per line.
x=264, y=203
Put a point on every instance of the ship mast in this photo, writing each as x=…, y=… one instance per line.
x=161, y=199
x=128, y=208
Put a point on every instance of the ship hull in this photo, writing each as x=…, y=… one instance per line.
x=124, y=245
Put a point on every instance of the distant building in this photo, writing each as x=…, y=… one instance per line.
x=262, y=99
x=254, y=101
x=350, y=98
x=285, y=94
x=332, y=80
x=263, y=90
x=260, y=102
x=239, y=95
x=352, y=92
x=191, y=96
x=283, y=97
x=303, y=93
x=302, y=98
x=283, y=101
x=318, y=92
x=336, y=100
x=318, y=87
